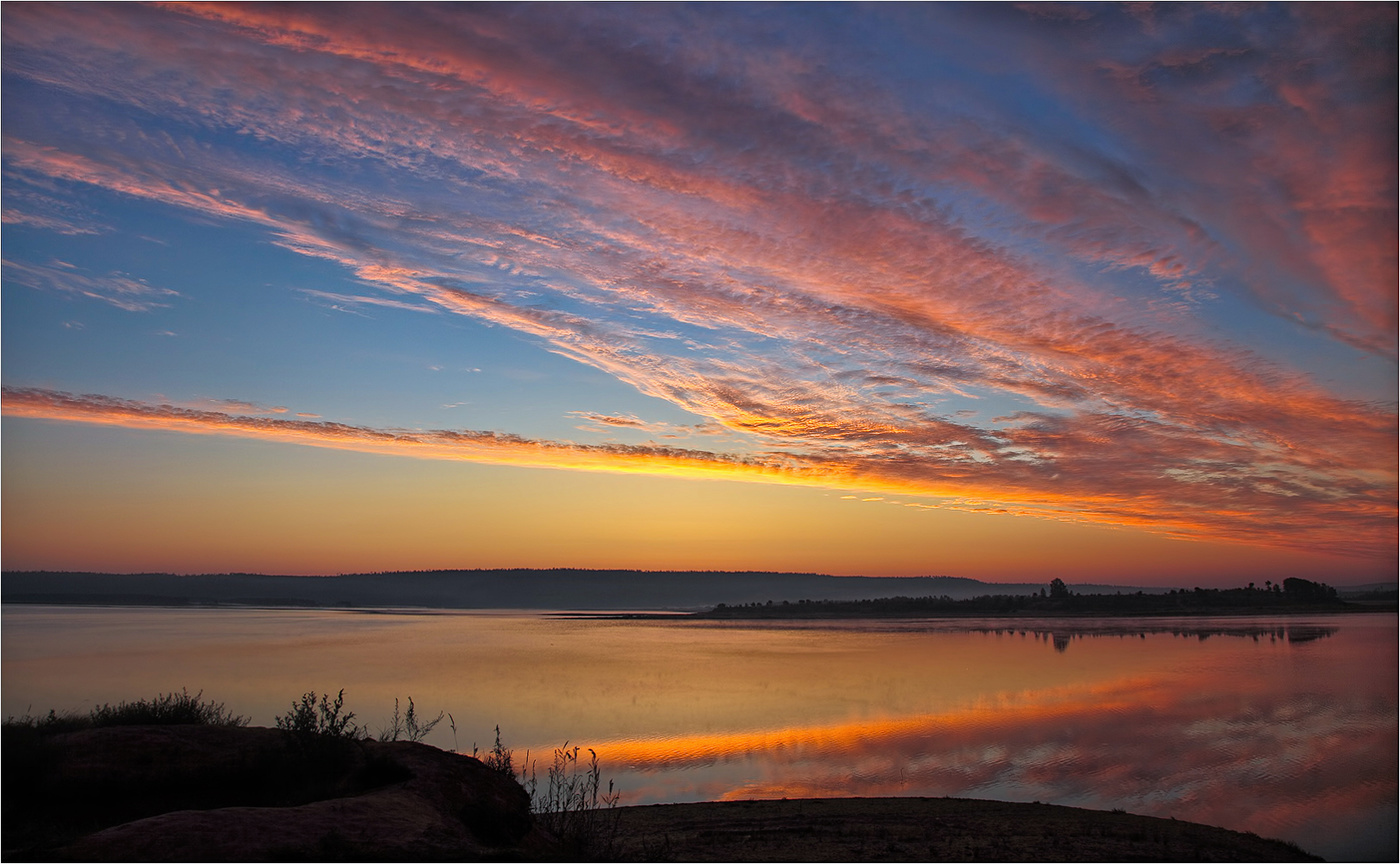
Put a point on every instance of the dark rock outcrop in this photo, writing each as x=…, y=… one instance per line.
x=210, y=793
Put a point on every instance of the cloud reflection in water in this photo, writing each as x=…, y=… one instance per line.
x=1218, y=744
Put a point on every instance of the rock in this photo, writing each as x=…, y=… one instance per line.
x=210, y=793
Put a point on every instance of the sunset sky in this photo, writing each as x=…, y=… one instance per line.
x=1007, y=292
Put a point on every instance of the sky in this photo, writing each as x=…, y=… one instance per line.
x=1002, y=291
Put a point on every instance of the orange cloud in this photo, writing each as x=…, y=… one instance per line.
x=1249, y=517
x=475, y=446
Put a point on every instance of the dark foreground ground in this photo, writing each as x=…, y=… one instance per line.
x=925, y=829
x=230, y=793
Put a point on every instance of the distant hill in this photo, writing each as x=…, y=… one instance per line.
x=495, y=589
x=1369, y=591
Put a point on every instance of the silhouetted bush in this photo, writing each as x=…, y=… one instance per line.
x=310, y=718
x=167, y=709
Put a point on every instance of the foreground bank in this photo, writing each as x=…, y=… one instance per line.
x=927, y=829
x=219, y=792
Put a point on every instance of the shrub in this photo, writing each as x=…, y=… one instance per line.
x=167, y=709
x=408, y=727
x=310, y=718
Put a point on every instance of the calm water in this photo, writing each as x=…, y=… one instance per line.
x=1283, y=727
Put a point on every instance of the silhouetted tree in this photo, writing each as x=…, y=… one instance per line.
x=1058, y=590
x=1308, y=591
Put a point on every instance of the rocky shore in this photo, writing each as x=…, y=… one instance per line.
x=221, y=793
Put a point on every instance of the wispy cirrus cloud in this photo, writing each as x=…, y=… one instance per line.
x=615, y=422
x=1275, y=127
x=117, y=289
x=477, y=446
x=907, y=287
x=1284, y=511
x=337, y=301
x=49, y=223
x=236, y=405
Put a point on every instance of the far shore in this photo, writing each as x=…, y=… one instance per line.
x=1350, y=608
x=1068, y=615
x=664, y=593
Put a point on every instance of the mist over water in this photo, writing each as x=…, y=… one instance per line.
x=1281, y=726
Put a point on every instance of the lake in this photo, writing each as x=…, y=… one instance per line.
x=1282, y=726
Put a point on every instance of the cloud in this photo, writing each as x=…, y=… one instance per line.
x=437, y=444
x=612, y=423
x=827, y=254
x=38, y=208
x=239, y=406
x=335, y=299
x=117, y=289
x=1221, y=500
x=1275, y=128
x=606, y=420
x=50, y=223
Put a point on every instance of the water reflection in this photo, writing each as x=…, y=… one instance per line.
x=1284, y=727
x=1061, y=636
x=1283, y=739
x=1149, y=745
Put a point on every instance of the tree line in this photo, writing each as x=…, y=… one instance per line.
x=1054, y=599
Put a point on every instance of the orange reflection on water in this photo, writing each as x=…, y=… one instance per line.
x=1212, y=743
x=840, y=739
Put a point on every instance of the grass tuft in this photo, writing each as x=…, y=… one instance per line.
x=573, y=805
x=409, y=728
x=499, y=759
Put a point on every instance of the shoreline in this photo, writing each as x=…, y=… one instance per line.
x=705, y=614
x=926, y=829
x=1263, y=612
x=220, y=791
